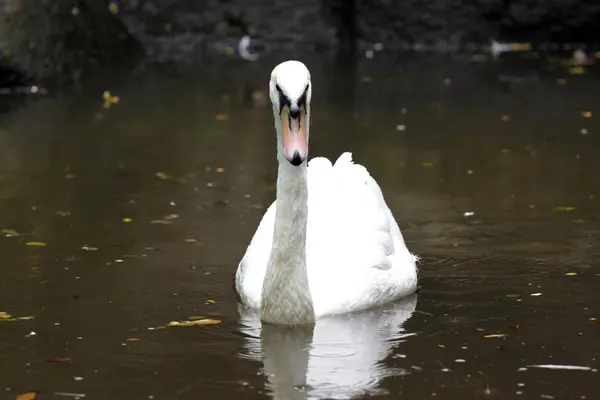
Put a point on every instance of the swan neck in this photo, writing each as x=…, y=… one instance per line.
x=286, y=297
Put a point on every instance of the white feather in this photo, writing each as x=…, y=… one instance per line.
x=356, y=257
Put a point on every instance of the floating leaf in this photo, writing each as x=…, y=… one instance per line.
x=211, y=301
x=26, y=318
x=494, y=335
x=441, y=346
x=221, y=117
x=571, y=273
x=109, y=99
x=506, y=118
x=36, y=244
x=586, y=114
x=576, y=70
x=206, y=321
x=60, y=359
x=564, y=208
x=512, y=296
x=27, y=396
x=127, y=220
x=113, y=7
x=9, y=232
x=161, y=222
x=89, y=248
x=163, y=175
x=220, y=169
x=4, y=315
x=190, y=240
x=132, y=339
x=63, y=213
x=171, y=216
x=69, y=176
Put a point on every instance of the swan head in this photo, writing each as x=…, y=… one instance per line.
x=290, y=91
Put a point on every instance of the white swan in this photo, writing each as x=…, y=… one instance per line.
x=329, y=244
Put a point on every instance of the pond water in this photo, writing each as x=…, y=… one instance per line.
x=122, y=219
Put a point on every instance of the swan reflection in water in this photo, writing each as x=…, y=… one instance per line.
x=337, y=358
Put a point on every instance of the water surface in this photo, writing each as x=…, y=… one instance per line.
x=146, y=208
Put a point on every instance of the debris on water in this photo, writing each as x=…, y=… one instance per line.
x=561, y=81
x=36, y=244
x=470, y=172
x=577, y=70
x=369, y=53
x=505, y=118
x=558, y=366
x=190, y=240
x=27, y=396
x=67, y=394
x=5, y=315
x=126, y=220
x=536, y=294
x=460, y=360
x=60, y=360
x=78, y=378
x=9, y=232
x=426, y=164
x=378, y=46
x=221, y=117
x=571, y=273
x=211, y=301
x=161, y=222
x=113, y=7
x=163, y=175
x=197, y=322
x=219, y=169
x=63, y=213
x=564, y=208
x=109, y=99
x=586, y=114
x=89, y=248
x=400, y=128
x=132, y=339
x=441, y=346
x=512, y=296
x=584, y=131
x=495, y=335
x=32, y=333
x=469, y=213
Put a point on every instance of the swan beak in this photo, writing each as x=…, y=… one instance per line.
x=295, y=146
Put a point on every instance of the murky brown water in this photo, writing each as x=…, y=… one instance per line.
x=519, y=269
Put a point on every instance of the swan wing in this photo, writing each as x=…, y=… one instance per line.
x=356, y=255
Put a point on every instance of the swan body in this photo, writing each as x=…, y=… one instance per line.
x=329, y=244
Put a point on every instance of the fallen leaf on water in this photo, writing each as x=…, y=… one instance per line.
x=479, y=329
x=586, y=114
x=579, y=221
x=506, y=118
x=190, y=240
x=171, y=216
x=211, y=301
x=564, y=208
x=109, y=99
x=4, y=315
x=26, y=318
x=9, y=232
x=593, y=320
x=60, y=359
x=132, y=339
x=441, y=346
x=163, y=175
x=63, y=213
x=113, y=7
x=576, y=70
x=494, y=335
x=206, y=321
x=36, y=244
x=70, y=176
x=220, y=169
x=127, y=220
x=27, y=396
x=89, y=248
x=571, y=273
x=161, y=222
x=512, y=295
x=221, y=117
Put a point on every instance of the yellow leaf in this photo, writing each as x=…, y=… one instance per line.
x=211, y=301
x=127, y=220
x=27, y=396
x=161, y=222
x=220, y=169
x=4, y=315
x=207, y=321
x=441, y=346
x=163, y=175
x=576, y=70
x=36, y=244
x=190, y=240
x=495, y=335
x=113, y=7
